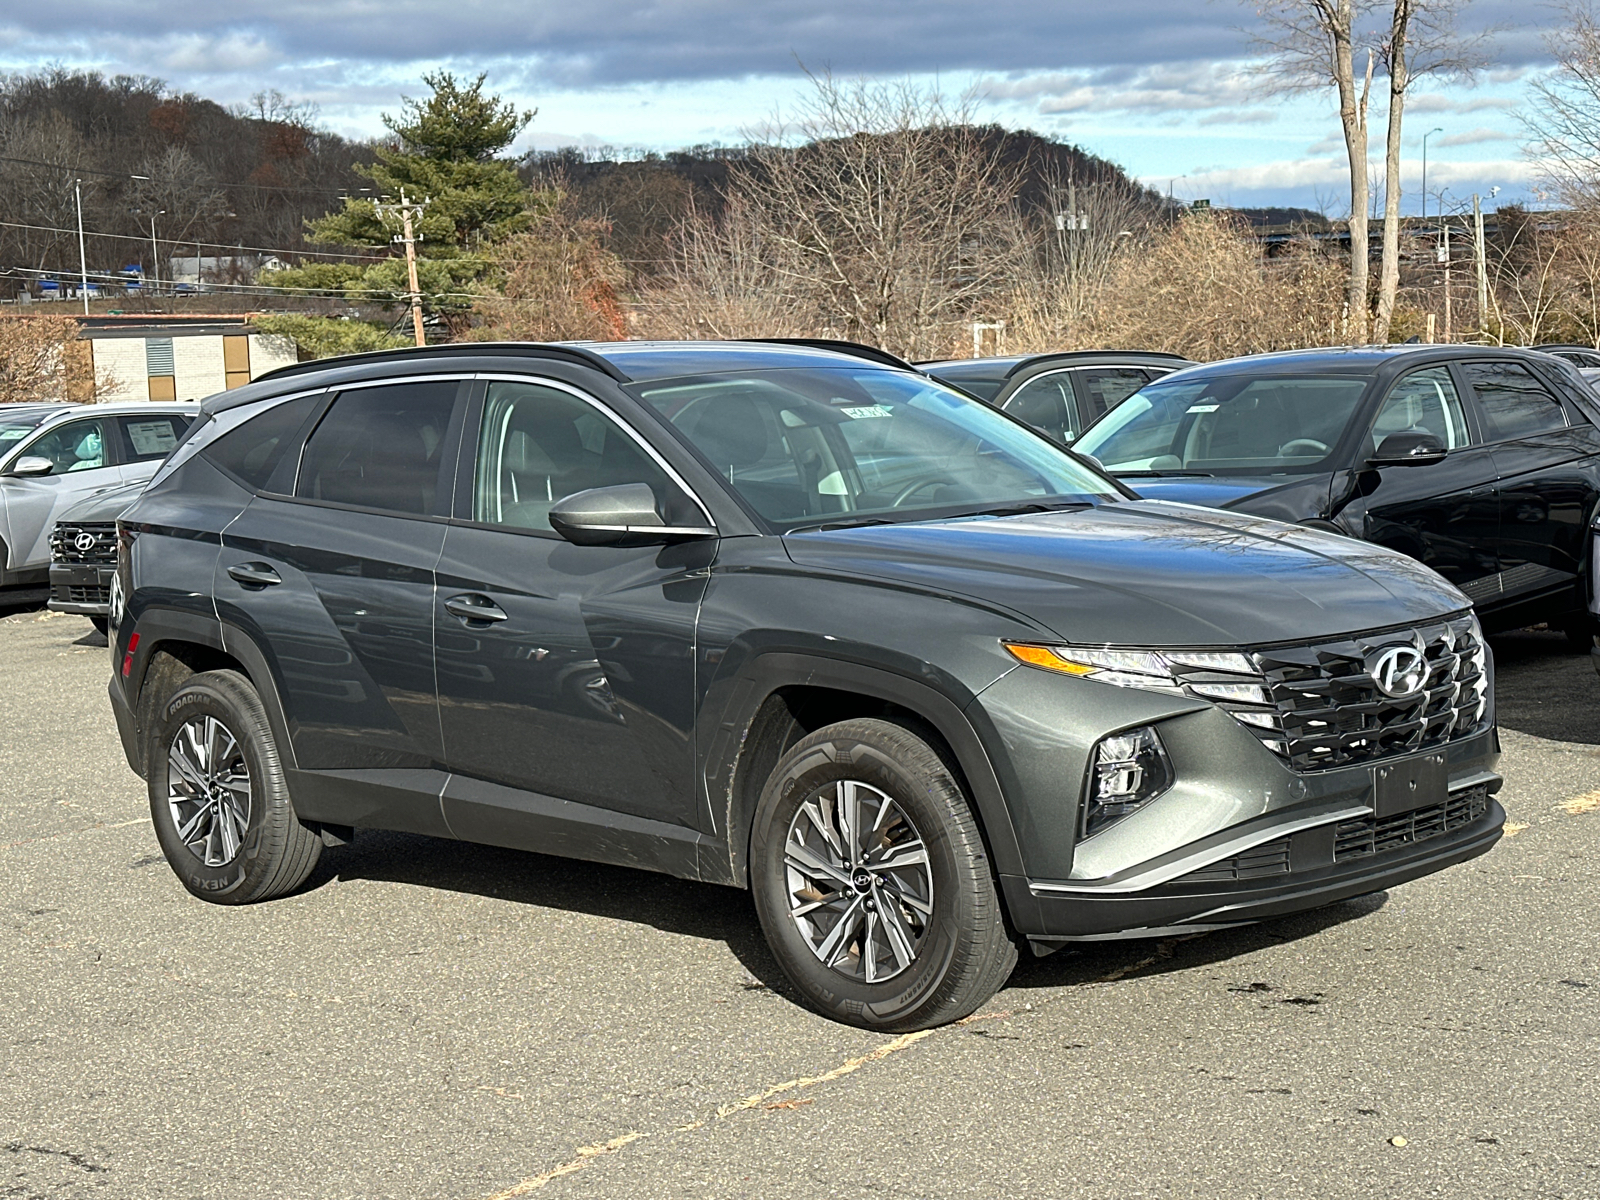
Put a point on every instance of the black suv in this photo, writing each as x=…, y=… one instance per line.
x=778, y=618
x=1060, y=394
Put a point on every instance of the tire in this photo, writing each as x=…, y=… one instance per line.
x=909, y=960
x=102, y=625
x=239, y=840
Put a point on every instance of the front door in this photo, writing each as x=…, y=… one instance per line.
x=80, y=454
x=564, y=671
x=1445, y=514
x=337, y=583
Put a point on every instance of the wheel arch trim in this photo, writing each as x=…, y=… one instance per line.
x=734, y=798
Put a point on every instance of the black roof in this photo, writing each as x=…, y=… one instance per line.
x=1355, y=360
x=1004, y=366
x=625, y=362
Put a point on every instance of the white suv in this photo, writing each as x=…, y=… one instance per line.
x=53, y=456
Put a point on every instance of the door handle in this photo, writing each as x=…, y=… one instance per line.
x=473, y=607
x=254, y=574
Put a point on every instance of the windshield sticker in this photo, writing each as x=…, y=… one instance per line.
x=1203, y=408
x=152, y=437
x=870, y=410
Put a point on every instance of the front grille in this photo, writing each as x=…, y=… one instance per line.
x=88, y=595
x=100, y=551
x=1373, y=835
x=1317, y=706
x=1258, y=862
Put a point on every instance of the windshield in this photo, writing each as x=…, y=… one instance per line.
x=1227, y=425
x=809, y=446
x=983, y=380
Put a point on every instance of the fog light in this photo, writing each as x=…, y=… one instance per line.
x=1130, y=769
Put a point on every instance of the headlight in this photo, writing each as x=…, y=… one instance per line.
x=1144, y=668
x=1130, y=769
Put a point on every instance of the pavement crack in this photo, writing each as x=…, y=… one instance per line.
x=77, y=1160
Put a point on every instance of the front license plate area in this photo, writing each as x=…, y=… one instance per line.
x=1414, y=783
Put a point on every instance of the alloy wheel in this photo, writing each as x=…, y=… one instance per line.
x=208, y=790
x=860, y=886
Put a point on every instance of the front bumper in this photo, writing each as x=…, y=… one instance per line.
x=81, y=588
x=1302, y=867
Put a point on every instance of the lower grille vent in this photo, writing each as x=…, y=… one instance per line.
x=1355, y=839
x=1258, y=862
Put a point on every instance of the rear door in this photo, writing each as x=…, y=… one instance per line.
x=1543, y=448
x=1101, y=389
x=331, y=570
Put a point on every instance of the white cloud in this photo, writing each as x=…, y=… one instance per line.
x=1474, y=137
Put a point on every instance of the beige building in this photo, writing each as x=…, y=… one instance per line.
x=188, y=361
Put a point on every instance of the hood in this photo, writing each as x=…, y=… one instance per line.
x=1212, y=491
x=105, y=505
x=1145, y=573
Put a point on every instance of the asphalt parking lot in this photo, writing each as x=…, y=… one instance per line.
x=434, y=1019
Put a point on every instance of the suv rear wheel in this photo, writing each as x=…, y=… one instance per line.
x=872, y=883
x=218, y=797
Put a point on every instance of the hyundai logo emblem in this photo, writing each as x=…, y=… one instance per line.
x=84, y=541
x=1399, y=671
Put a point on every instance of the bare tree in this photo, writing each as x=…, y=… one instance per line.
x=1422, y=40
x=1563, y=122
x=1310, y=44
x=880, y=211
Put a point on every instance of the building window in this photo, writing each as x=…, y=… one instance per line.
x=159, y=369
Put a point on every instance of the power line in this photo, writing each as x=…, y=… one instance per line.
x=128, y=237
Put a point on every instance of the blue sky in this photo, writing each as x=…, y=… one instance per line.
x=1163, y=87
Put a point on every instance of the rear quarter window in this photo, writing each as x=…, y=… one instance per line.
x=252, y=452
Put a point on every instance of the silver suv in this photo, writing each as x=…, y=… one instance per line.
x=53, y=456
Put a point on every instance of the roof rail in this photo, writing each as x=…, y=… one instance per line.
x=855, y=349
x=571, y=354
x=1029, y=359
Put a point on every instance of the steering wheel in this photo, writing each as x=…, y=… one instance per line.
x=1300, y=446
x=916, y=485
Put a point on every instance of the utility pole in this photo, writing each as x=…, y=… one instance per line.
x=1444, y=257
x=1483, y=269
x=405, y=209
x=83, y=258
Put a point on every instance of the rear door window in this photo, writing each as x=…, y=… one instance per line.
x=1513, y=399
x=381, y=448
x=1100, y=389
x=150, y=438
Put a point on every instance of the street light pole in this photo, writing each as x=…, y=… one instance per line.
x=83, y=258
x=1425, y=138
x=155, y=254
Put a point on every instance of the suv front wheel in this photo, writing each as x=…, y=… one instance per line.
x=872, y=882
x=218, y=796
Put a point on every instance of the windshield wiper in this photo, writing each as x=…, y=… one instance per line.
x=1018, y=510
x=1161, y=474
x=830, y=526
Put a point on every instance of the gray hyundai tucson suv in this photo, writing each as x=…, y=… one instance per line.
x=778, y=618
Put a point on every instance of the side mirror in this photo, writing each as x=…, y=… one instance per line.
x=614, y=516
x=1408, y=449
x=33, y=464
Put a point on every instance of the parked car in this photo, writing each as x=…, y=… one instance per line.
x=83, y=553
x=1578, y=356
x=1483, y=463
x=1060, y=395
x=55, y=456
x=787, y=620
